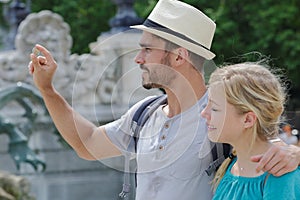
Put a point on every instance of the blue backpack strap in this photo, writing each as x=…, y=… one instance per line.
x=139, y=118
x=143, y=113
x=219, y=153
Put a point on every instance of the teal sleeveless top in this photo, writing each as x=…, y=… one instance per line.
x=249, y=188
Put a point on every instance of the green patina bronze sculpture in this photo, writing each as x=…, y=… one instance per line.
x=27, y=97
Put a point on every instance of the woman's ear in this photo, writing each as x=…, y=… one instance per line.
x=249, y=120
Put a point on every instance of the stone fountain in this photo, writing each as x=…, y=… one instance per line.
x=101, y=85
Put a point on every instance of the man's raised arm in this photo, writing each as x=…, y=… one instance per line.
x=90, y=142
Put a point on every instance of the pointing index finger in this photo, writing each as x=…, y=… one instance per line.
x=36, y=52
x=45, y=52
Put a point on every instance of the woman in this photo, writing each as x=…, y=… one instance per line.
x=245, y=104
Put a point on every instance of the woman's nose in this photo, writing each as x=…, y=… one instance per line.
x=205, y=114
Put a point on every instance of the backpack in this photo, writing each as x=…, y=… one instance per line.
x=219, y=151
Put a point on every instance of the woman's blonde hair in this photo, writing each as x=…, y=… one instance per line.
x=252, y=87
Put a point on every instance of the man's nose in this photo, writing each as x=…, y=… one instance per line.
x=139, y=58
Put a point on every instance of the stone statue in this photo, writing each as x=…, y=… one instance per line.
x=125, y=16
x=45, y=28
x=14, y=14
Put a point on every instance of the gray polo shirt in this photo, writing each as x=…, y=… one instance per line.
x=172, y=154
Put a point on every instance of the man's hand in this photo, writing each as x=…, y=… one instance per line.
x=278, y=160
x=42, y=67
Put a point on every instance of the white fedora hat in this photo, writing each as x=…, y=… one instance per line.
x=183, y=25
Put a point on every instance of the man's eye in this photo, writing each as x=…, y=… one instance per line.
x=214, y=109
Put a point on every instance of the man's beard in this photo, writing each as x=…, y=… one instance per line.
x=148, y=86
x=158, y=84
x=151, y=85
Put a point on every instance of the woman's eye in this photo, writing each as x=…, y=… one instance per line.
x=214, y=109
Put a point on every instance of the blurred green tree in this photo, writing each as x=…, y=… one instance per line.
x=251, y=30
x=87, y=18
x=246, y=30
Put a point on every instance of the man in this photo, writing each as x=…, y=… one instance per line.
x=172, y=150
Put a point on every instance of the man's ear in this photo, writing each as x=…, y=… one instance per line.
x=181, y=55
x=249, y=119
